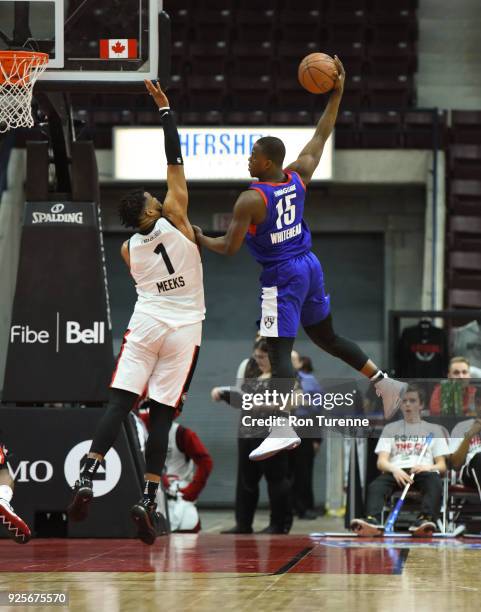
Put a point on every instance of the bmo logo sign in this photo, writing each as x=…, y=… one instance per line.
x=74, y=334
x=32, y=471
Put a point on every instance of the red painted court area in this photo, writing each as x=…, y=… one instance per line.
x=272, y=555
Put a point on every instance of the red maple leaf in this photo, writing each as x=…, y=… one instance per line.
x=118, y=47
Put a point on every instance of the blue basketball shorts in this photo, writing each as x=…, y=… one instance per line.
x=292, y=293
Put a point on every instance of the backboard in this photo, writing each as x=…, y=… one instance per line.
x=111, y=41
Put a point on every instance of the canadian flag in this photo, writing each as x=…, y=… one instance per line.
x=118, y=48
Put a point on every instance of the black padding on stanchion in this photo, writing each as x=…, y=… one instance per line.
x=37, y=171
x=85, y=184
x=60, y=347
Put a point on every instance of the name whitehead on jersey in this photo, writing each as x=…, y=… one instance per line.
x=171, y=283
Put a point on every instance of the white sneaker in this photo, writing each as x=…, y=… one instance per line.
x=15, y=527
x=275, y=443
x=392, y=392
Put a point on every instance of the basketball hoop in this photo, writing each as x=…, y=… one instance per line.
x=18, y=72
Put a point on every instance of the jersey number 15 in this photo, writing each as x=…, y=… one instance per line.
x=286, y=211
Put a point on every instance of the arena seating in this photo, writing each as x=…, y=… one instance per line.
x=236, y=59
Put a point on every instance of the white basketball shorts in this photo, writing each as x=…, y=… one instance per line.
x=157, y=359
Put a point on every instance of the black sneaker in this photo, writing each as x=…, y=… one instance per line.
x=423, y=527
x=237, y=529
x=273, y=530
x=307, y=515
x=82, y=496
x=149, y=522
x=368, y=527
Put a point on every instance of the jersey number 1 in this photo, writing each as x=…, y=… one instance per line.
x=286, y=212
x=160, y=248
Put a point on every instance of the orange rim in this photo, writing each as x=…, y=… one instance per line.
x=23, y=60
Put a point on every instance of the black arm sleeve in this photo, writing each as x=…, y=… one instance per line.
x=171, y=138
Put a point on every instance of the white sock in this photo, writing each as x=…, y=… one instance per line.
x=6, y=493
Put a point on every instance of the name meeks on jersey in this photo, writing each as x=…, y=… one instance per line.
x=171, y=283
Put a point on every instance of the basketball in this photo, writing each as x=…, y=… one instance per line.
x=316, y=73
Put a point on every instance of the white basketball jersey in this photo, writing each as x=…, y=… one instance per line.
x=167, y=270
x=176, y=463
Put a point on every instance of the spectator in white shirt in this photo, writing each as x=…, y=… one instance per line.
x=465, y=448
x=398, y=450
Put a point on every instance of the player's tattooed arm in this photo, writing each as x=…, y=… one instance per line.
x=310, y=156
x=124, y=251
x=248, y=210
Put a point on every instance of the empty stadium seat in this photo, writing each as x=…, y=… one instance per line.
x=256, y=25
x=345, y=27
x=254, y=117
x=209, y=25
x=252, y=59
x=291, y=118
x=300, y=25
x=253, y=93
x=206, y=92
x=418, y=132
x=209, y=57
x=353, y=93
x=346, y=132
x=464, y=298
x=392, y=93
x=388, y=59
x=464, y=161
x=212, y=117
x=466, y=127
x=379, y=130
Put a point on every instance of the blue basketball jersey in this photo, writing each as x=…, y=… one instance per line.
x=283, y=234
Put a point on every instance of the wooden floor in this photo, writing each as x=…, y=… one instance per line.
x=211, y=572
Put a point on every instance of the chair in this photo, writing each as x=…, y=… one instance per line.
x=466, y=127
x=353, y=93
x=346, y=132
x=206, y=92
x=290, y=96
x=463, y=506
x=252, y=58
x=352, y=55
x=255, y=25
x=211, y=25
x=254, y=93
x=378, y=6
x=464, y=161
x=464, y=298
x=208, y=57
x=298, y=25
x=346, y=27
x=212, y=117
x=291, y=118
x=380, y=130
x=467, y=190
x=418, y=129
x=255, y=117
x=397, y=92
x=464, y=270
x=396, y=58
x=387, y=28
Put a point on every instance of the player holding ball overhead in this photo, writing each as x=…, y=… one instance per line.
x=269, y=215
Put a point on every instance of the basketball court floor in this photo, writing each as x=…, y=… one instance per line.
x=210, y=571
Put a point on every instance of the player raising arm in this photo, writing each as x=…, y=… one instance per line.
x=161, y=345
x=269, y=215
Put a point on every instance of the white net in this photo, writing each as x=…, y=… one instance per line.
x=18, y=72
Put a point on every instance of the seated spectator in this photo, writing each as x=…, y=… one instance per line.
x=465, y=448
x=398, y=450
x=456, y=397
x=187, y=469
